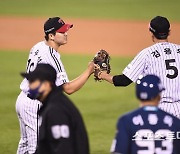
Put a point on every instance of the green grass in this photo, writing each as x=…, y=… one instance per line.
x=111, y=9
x=100, y=103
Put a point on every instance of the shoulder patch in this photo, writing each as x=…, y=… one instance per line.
x=62, y=75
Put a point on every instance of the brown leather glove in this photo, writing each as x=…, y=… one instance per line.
x=101, y=61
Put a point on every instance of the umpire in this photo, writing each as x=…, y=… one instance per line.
x=62, y=128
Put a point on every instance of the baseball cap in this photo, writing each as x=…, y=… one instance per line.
x=56, y=24
x=42, y=72
x=148, y=87
x=159, y=26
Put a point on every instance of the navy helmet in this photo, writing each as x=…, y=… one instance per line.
x=148, y=87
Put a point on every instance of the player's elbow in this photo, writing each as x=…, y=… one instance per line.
x=69, y=92
x=67, y=89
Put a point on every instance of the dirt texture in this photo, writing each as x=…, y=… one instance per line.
x=121, y=38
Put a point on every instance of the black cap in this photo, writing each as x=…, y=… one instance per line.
x=43, y=72
x=56, y=24
x=159, y=26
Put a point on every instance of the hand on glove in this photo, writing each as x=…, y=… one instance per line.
x=101, y=61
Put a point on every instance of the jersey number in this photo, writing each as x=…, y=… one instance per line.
x=150, y=146
x=30, y=66
x=170, y=67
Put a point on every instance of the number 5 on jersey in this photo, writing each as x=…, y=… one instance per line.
x=171, y=67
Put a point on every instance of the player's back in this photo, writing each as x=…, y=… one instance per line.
x=163, y=60
x=148, y=130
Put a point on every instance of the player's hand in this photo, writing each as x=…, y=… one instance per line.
x=91, y=67
x=97, y=71
x=105, y=76
x=102, y=75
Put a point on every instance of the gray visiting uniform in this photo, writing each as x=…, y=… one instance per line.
x=162, y=60
x=27, y=108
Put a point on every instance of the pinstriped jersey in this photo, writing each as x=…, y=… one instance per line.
x=163, y=60
x=42, y=53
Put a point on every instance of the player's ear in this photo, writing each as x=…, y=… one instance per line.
x=153, y=37
x=169, y=33
x=51, y=37
x=158, y=98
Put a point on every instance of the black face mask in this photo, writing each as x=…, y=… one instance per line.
x=34, y=93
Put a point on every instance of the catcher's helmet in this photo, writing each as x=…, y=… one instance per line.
x=148, y=87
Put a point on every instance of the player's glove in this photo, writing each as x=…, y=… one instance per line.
x=101, y=61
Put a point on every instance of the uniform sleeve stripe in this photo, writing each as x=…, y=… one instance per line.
x=55, y=60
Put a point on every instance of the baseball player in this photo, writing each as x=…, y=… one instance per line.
x=161, y=59
x=44, y=52
x=147, y=130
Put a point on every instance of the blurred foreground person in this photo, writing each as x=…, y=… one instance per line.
x=147, y=130
x=62, y=129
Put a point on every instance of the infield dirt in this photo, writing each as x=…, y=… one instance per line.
x=121, y=38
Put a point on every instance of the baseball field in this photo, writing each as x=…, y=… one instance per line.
x=120, y=26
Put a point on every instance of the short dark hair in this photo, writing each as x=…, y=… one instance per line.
x=47, y=35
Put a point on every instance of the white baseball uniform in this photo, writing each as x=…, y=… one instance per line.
x=162, y=60
x=27, y=108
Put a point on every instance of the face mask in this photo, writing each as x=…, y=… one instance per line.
x=34, y=93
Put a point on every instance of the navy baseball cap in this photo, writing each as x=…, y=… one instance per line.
x=43, y=72
x=148, y=87
x=159, y=26
x=56, y=24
